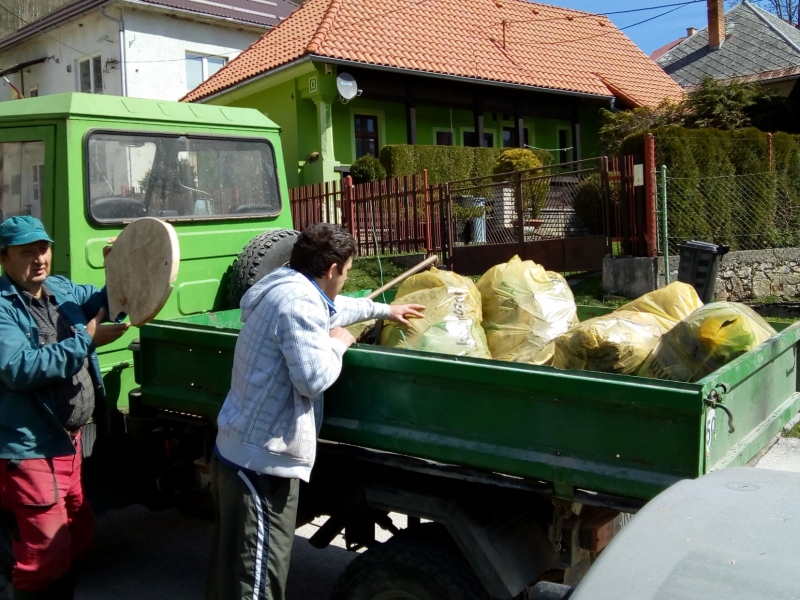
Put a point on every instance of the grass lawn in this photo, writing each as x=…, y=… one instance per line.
x=366, y=273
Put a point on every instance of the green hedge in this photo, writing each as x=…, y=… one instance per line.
x=721, y=188
x=444, y=163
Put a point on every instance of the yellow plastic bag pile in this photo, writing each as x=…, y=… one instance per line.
x=525, y=308
x=452, y=323
x=709, y=338
x=669, y=304
x=618, y=342
x=622, y=340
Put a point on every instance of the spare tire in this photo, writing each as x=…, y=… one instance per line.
x=262, y=254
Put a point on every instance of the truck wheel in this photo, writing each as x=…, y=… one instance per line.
x=262, y=254
x=408, y=569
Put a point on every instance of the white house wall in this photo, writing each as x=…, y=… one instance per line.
x=66, y=45
x=155, y=51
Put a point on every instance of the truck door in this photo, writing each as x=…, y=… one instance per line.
x=27, y=171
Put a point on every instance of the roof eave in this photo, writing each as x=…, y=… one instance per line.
x=203, y=16
x=45, y=29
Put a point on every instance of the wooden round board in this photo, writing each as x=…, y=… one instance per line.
x=140, y=269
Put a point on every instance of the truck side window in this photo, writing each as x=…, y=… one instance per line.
x=21, y=179
x=132, y=175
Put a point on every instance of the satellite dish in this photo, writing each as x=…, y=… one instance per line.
x=346, y=85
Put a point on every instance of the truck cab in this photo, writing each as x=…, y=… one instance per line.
x=88, y=164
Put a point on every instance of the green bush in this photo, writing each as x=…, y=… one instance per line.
x=366, y=169
x=445, y=163
x=534, y=187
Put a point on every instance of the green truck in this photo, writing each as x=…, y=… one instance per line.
x=507, y=473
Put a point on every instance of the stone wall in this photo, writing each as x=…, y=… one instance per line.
x=742, y=275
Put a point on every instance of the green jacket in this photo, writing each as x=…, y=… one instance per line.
x=29, y=426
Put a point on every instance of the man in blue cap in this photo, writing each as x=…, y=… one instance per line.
x=49, y=384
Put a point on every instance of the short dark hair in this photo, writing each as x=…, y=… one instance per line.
x=319, y=246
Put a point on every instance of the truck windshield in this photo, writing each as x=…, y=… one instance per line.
x=22, y=174
x=129, y=176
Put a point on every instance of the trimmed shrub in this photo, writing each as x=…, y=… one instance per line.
x=366, y=169
x=445, y=163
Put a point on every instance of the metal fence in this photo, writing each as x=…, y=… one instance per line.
x=393, y=216
x=749, y=211
x=557, y=215
x=739, y=189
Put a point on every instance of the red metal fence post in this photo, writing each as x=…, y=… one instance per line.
x=650, y=199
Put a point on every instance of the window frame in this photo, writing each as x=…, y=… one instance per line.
x=92, y=73
x=190, y=135
x=203, y=65
x=361, y=136
x=486, y=131
x=438, y=130
x=513, y=130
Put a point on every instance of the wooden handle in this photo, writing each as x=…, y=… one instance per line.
x=430, y=261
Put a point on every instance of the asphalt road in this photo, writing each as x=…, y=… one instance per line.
x=143, y=555
x=139, y=554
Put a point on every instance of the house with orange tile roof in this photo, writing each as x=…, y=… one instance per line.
x=458, y=72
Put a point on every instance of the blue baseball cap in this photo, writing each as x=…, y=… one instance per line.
x=17, y=231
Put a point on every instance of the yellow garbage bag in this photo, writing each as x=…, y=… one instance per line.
x=618, y=342
x=712, y=336
x=670, y=304
x=452, y=322
x=525, y=308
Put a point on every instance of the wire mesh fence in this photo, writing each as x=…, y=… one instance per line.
x=751, y=211
x=742, y=190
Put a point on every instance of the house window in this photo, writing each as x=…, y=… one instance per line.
x=90, y=75
x=444, y=138
x=33, y=92
x=510, y=137
x=471, y=139
x=200, y=67
x=366, y=130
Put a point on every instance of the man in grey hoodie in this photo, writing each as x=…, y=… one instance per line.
x=288, y=353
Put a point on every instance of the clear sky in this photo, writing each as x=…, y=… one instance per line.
x=653, y=34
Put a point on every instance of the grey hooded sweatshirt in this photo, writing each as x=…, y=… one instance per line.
x=284, y=360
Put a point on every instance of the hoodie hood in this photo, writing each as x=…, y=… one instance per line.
x=278, y=277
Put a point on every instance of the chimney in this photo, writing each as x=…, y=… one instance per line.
x=716, y=23
x=690, y=31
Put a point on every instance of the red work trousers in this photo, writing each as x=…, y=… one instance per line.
x=52, y=523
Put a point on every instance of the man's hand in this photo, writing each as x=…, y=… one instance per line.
x=107, y=249
x=401, y=311
x=105, y=334
x=341, y=334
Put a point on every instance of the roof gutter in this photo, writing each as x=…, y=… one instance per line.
x=487, y=82
x=202, y=16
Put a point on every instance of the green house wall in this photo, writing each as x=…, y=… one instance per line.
x=296, y=98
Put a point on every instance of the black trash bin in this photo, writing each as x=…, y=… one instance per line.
x=698, y=266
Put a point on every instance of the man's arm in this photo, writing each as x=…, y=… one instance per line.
x=354, y=310
x=313, y=357
x=23, y=368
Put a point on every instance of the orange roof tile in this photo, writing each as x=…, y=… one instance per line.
x=508, y=41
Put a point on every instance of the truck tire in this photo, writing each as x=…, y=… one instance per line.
x=408, y=569
x=262, y=254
